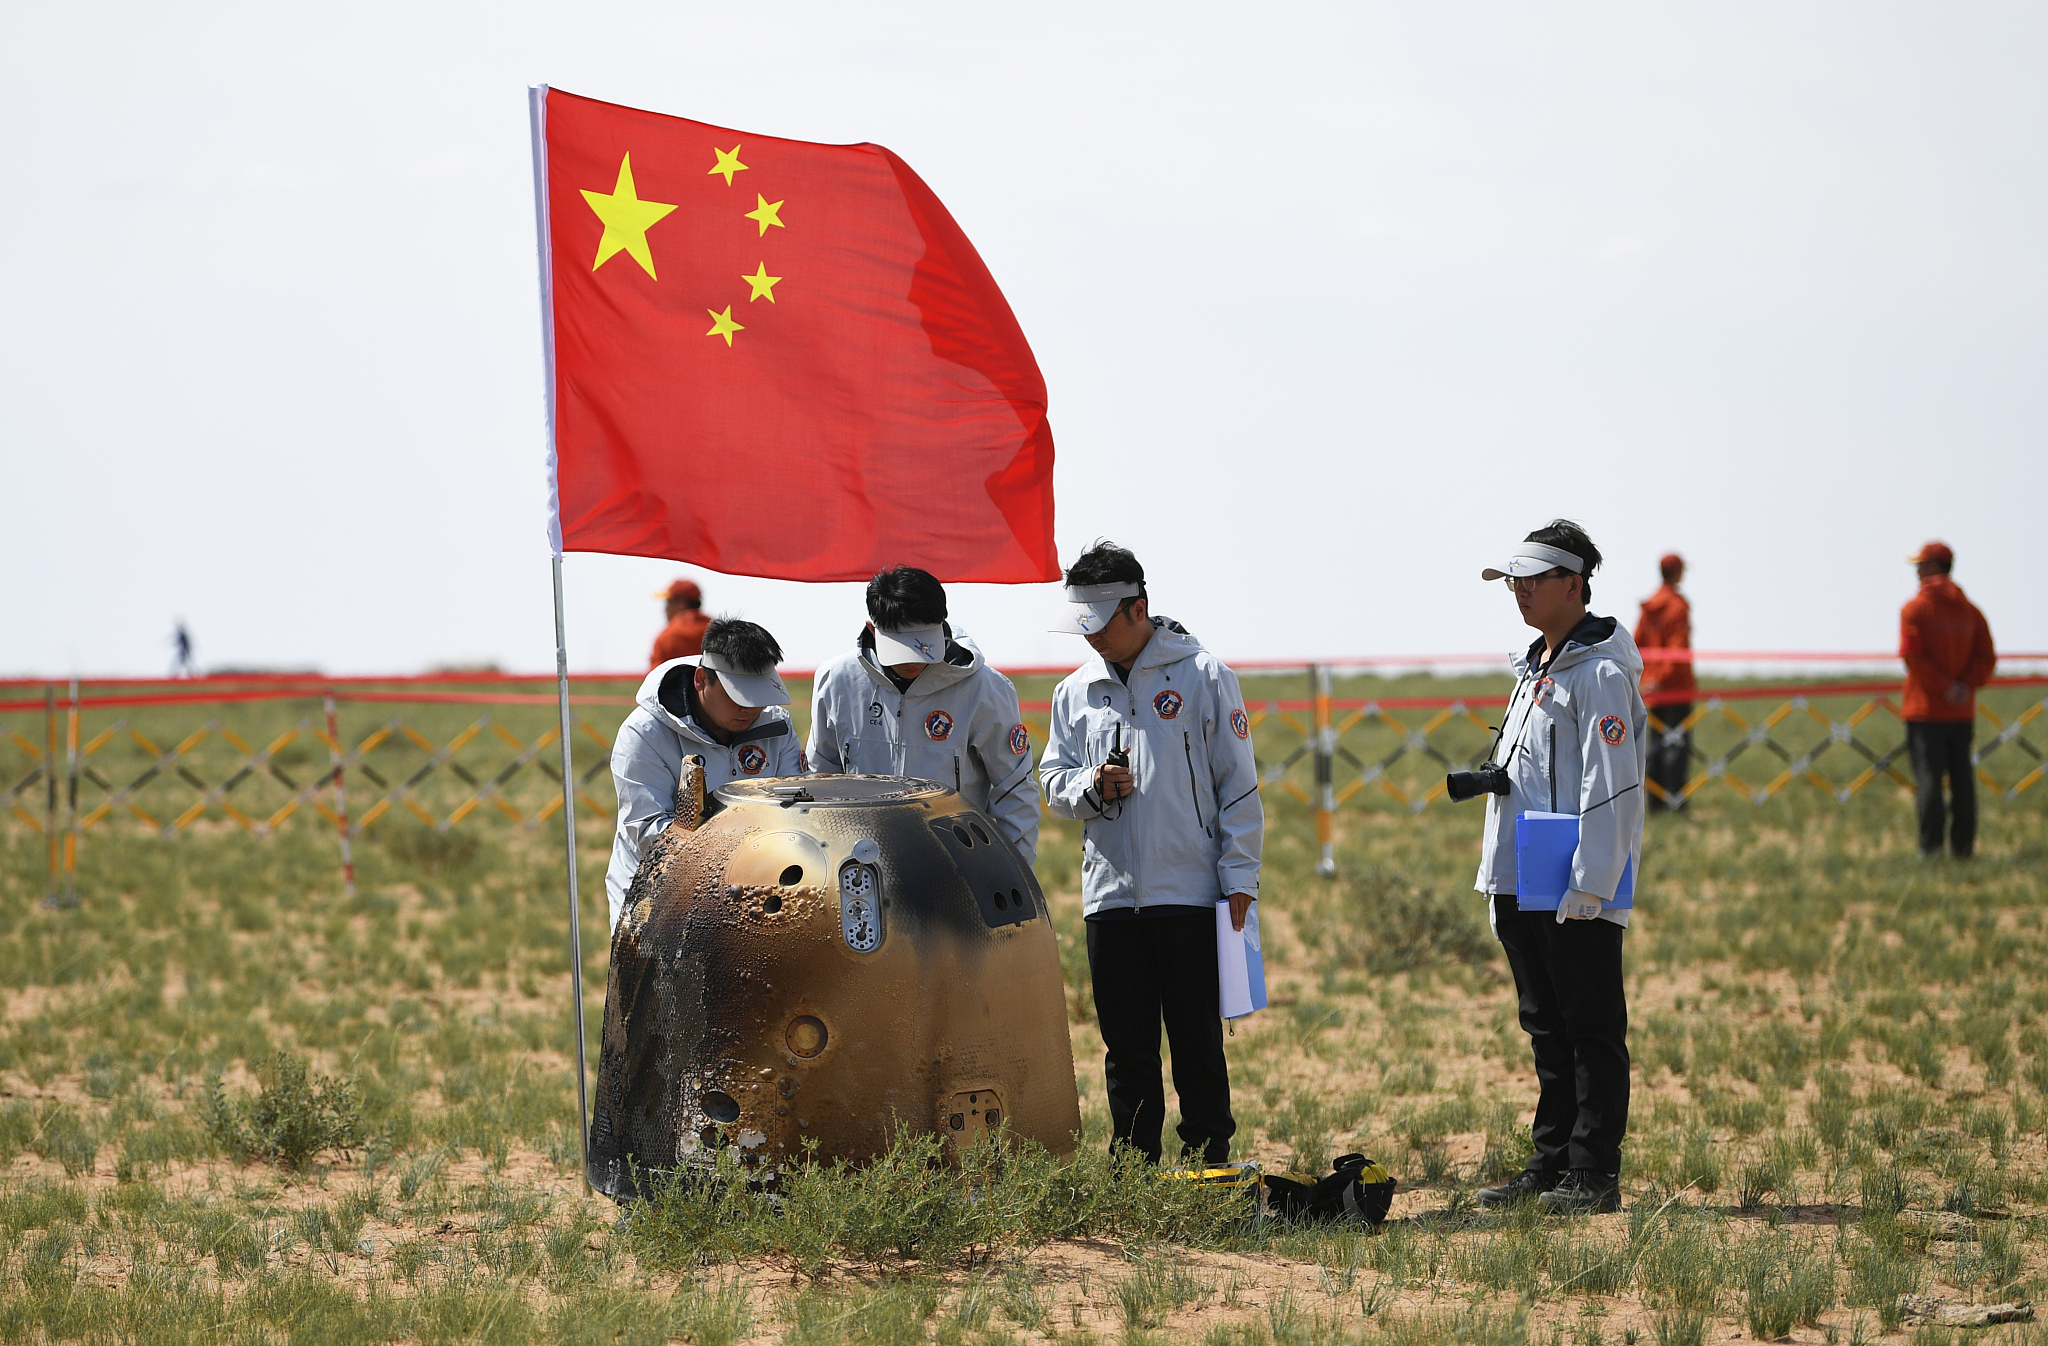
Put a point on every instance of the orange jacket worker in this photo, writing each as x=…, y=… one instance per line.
x=683, y=637
x=1668, y=686
x=1666, y=624
x=1946, y=644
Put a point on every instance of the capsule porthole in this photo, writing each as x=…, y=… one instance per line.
x=806, y=1036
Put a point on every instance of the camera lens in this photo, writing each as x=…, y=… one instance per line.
x=1487, y=779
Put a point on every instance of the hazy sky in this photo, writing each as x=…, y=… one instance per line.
x=1333, y=303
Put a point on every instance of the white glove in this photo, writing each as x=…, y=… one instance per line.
x=1577, y=906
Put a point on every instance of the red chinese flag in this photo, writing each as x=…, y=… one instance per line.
x=776, y=358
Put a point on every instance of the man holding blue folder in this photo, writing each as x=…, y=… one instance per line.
x=1574, y=736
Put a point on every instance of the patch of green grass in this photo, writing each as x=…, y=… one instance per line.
x=1155, y=1287
x=1812, y=1018
x=1784, y=1284
x=908, y=1205
x=294, y=1116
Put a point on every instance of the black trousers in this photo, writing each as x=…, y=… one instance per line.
x=1146, y=969
x=1938, y=749
x=1670, y=763
x=1568, y=978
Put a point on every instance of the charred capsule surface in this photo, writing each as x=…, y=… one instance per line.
x=825, y=959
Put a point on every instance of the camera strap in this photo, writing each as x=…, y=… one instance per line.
x=1611, y=798
x=1533, y=679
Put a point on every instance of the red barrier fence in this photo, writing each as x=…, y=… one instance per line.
x=124, y=751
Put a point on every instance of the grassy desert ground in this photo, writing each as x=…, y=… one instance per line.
x=1841, y=1090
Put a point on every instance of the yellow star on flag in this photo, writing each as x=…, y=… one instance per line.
x=763, y=283
x=728, y=163
x=764, y=212
x=626, y=220
x=723, y=325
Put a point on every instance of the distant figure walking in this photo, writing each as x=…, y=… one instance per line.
x=1946, y=644
x=683, y=637
x=181, y=657
x=1668, y=686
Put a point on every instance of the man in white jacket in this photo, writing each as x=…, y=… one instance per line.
x=914, y=698
x=725, y=706
x=1164, y=836
x=1573, y=738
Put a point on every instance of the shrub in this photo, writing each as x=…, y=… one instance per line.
x=292, y=1118
x=1784, y=1286
x=1678, y=1263
x=1699, y=1164
x=428, y=849
x=1681, y=1329
x=1878, y=1275
x=1885, y=1191
x=1986, y=1037
x=1588, y=1267
x=1395, y=923
x=908, y=1203
x=67, y=1139
x=1832, y=1108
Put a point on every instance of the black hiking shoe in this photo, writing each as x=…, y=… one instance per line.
x=1582, y=1192
x=1527, y=1185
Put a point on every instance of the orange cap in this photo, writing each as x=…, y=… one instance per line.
x=683, y=591
x=1933, y=551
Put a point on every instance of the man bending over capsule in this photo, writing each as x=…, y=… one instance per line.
x=725, y=706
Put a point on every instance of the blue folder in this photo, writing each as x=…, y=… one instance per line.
x=1240, y=965
x=1544, y=846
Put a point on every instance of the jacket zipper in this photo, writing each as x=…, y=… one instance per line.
x=1553, y=766
x=1187, y=744
x=1130, y=718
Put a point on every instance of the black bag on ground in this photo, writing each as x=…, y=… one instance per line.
x=1359, y=1189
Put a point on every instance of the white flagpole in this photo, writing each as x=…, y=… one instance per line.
x=537, y=108
x=575, y=911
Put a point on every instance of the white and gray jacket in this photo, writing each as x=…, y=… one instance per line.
x=1573, y=740
x=1192, y=829
x=647, y=764
x=957, y=723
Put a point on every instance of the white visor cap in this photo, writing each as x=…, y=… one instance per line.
x=911, y=645
x=1090, y=606
x=1534, y=558
x=752, y=690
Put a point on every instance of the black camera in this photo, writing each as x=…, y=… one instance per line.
x=1488, y=778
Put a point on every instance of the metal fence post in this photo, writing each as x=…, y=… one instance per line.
x=50, y=783
x=71, y=798
x=348, y=861
x=1326, y=755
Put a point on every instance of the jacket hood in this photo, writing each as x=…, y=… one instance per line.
x=649, y=699
x=1171, y=642
x=963, y=659
x=1593, y=638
